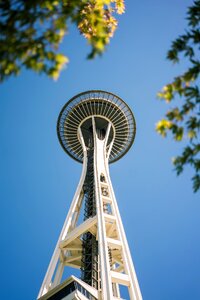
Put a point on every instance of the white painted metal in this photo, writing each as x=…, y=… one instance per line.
x=99, y=154
x=106, y=226
x=134, y=288
x=101, y=166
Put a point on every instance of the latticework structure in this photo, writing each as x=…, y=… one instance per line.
x=95, y=128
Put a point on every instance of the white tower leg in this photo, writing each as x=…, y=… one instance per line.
x=109, y=274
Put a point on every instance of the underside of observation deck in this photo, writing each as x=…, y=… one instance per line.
x=105, y=107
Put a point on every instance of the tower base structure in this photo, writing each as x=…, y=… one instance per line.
x=96, y=129
x=71, y=289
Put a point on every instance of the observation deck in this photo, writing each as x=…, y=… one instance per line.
x=106, y=108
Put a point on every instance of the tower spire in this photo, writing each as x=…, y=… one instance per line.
x=95, y=128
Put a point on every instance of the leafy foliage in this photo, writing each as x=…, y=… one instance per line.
x=31, y=31
x=183, y=121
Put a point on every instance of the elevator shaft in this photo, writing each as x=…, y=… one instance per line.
x=89, y=261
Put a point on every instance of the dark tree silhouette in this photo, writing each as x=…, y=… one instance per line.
x=183, y=120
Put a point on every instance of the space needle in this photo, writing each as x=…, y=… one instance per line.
x=95, y=128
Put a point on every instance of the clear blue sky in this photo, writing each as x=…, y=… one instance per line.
x=38, y=180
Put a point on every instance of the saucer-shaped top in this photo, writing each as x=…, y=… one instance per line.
x=101, y=105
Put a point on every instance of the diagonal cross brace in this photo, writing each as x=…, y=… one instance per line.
x=76, y=232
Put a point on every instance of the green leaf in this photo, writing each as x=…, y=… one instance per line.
x=196, y=182
x=178, y=134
